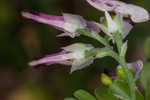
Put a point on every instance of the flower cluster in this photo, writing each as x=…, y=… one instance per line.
x=80, y=55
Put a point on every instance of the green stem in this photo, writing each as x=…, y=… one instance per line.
x=129, y=77
x=119, y=41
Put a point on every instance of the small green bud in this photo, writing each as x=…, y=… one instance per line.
x=106, y=80
x=120, y=73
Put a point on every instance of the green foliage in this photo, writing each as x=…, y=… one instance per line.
x=121, y=89
x=83, y=95
x=104, y=94
x=118, y=91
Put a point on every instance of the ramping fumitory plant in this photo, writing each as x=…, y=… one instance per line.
x=80, y=55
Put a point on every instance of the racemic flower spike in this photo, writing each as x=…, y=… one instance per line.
x=116, y=24
x=73, y=55
x=136, y=13
x=68, y=23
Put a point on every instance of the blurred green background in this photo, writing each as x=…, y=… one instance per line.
x=22, y=40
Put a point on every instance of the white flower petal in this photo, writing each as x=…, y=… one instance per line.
x=112, y=25
x=73, y=22
x=126, y=29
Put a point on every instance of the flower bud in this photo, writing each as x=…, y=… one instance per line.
x=120, y=73
x=106, y=80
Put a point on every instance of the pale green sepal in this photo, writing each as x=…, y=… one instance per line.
x=124, y=49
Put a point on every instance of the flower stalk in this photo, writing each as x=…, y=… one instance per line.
x=129, y=77
x=122, y=62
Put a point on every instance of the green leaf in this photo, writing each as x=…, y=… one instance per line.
x=148, y=93
x=121, y=89
x=83, y=95
x=70, y=98
x=147, y=48
x=104, y=94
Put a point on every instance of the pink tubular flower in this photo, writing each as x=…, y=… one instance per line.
x=71, y=55
x=68, y=23
x=137, y=14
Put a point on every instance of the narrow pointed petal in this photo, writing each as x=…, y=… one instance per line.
x=127, y=28
x=119, y=21
x=112, y=25
x=55, y=21
x=104, y=29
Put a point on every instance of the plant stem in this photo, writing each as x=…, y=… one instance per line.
x=117, y=56
x=129, y=77
x=119, y=42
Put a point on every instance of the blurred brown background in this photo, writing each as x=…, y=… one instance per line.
x=22, y=40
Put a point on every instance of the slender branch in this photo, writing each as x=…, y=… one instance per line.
x=129, y=77
x=119, y=41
